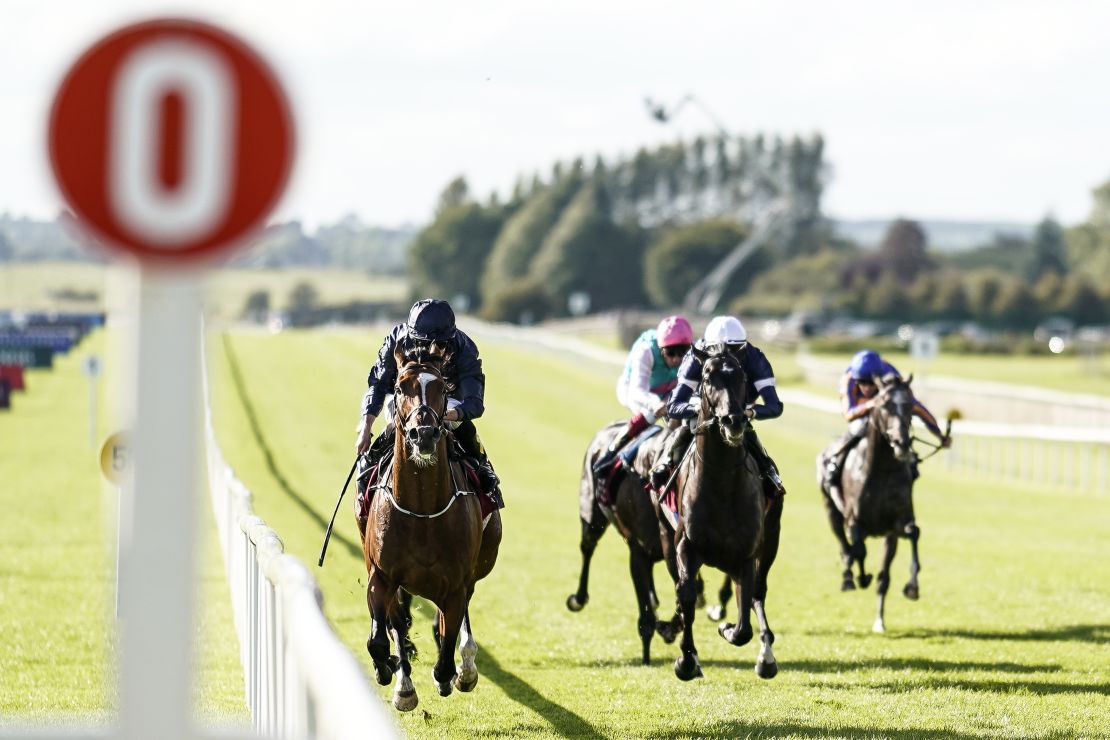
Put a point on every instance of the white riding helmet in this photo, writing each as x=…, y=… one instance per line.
x=725, y=330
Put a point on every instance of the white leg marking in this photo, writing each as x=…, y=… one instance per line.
x=468, y=649
x=404, y=693
x=765, y=653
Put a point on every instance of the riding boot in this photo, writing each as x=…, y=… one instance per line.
x=768, y=473
x=467, y=435
x=671, y=454
x=635, y=425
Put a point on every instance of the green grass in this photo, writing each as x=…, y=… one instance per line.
x=1010, y=638
x=34, y=286
x=57, y=569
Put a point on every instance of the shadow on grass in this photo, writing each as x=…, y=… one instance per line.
x=1096, y=633
x=564, y=722
x=355, y=549
x=753, y=730
x=836, y=666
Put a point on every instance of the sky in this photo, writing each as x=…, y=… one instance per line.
x=986, y=111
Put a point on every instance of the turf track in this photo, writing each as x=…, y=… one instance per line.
x=1010, y=637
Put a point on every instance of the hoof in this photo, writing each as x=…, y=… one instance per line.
x=766, y=670
x=574, y=604
x=444, y=688
x=383, y=665
x=465, y=686
x=715, y=612
x=405, y=701
x=687, y=670
x=911, y=592
x=848, y=584
x=733, y=635
x=879, y=627
x=666, y=631
x=864, y=580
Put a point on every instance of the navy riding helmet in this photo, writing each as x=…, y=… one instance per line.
x=865, y=365
x=431, y=320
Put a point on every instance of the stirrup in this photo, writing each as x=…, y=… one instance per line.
x=659, y=476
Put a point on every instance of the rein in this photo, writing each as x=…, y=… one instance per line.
x=393, y=501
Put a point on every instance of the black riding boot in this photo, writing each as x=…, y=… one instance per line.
x=467, y=435
x=671, y=454
x=605, y=459
x=772, y=482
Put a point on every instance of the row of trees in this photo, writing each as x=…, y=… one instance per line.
x=624, y=233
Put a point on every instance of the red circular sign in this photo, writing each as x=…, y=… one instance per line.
x=171, y=140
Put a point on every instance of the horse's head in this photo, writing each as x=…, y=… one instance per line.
x=421, y=398
x=723, y=393
x=893, y=413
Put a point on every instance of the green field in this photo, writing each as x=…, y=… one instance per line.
x=1011, y=637
x=57, y=544
x=44, y=285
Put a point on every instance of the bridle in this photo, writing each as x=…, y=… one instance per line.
x=437, y=416
x=902, y=415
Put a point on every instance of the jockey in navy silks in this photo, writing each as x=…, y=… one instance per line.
x=724, y=332
x=858, y=393
x=430, y=320
x=649, y=376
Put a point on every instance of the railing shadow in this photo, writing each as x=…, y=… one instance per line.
x=564, y=722
x=353, y=548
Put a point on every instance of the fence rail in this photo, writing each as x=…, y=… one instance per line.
x=300, y=680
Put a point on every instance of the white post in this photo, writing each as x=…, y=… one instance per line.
x=157, y=570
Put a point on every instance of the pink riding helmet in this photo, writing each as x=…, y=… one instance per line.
x=674, y=330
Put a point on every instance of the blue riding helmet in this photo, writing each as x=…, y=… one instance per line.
x=431, y=320
x=865, y=365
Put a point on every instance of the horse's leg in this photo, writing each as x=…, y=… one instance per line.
x=669, y=630
x=765, y=666
x=404, y=599
x=911, y=591
x=859, y=554
x=467, y=677
x=451, y=617
x=404, y=693
x=379, y=597
x=883, y=581
x=686, y=666
x=639, y=563
x=716, y=612
x=699, y=585
x=741, y=632
x=591, y=533
x=836, y=523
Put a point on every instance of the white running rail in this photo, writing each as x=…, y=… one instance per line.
x=1058, y=456
x=301, y=681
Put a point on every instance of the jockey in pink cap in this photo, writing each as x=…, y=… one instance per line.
x=649, y=375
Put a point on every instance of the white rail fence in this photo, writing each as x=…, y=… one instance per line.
x=1075, y=456
x=301, y=681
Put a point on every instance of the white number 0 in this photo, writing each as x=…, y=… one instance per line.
x=137, y=195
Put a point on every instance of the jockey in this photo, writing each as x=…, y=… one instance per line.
x=649, y=376
x=858, y=391
x=430, y=320
x=726, y=331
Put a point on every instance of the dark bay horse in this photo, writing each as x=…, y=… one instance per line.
x=634, y=515
x=722, y=520
x=877, y=486
x=425, y=534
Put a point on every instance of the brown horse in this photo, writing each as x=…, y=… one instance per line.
x=877, y=486
x=722, y=519
x=425, y=534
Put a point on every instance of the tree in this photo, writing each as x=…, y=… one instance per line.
x=304, y=297
x=886, y=300
x=454, y=195
x=951, y=302
x=587, y=252
x=446, y=257
x=257, y=305
x=1015, y=306
x=524, y=300
x=6, y=249
x=684, y=255
x=523, y=233
x=902, y=251
x=1081, y=303
x=1048, y=250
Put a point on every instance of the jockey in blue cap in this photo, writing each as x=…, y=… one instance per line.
x=430, y=320
x=858, y=391
x=728, y=333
